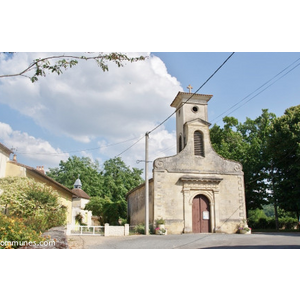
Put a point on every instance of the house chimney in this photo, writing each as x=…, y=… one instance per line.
x=41, y=169
x=15, y=157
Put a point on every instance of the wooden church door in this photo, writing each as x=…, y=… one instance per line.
x=201, y=214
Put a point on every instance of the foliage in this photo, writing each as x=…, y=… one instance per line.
x=247, y=143
x=107, y=186
x=58, y=63
x=108, y=211
x=258, y=220
x=140, y=229
x=160, y=231
x=244, y=228
x=89, y=172
x=159, y=221
x=13, y=230
x=43, y=220
x=34, y=202
x=119, y=179
x=284, y=147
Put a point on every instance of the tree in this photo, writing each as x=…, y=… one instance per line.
x=247, y=143
x=58, y=63
x=89, y=172
x=107, y=186
x=284, y=148
x=119, y=179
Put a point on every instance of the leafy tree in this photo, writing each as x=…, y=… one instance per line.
x=119, y=179
x=89, y=171
x=107, y=186
x=284, y=148
x=247, y=143
x=58, y=63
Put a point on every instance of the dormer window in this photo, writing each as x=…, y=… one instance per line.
x=198, y=143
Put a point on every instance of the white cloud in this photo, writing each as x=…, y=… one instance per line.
x=30, y=147
x=161, y=143
x=85, y=103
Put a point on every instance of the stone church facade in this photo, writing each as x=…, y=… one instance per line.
x=195, y=190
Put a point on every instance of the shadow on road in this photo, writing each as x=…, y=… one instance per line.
x=255, y=247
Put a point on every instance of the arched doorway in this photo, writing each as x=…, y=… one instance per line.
x=201, y=214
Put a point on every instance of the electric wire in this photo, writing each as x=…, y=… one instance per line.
x=92, y=149
x=160, y=124
x=193, y=93
x=258, y=89
x=130, y=146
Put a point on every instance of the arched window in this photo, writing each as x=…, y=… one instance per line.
x=180, y=143
x=198, y=143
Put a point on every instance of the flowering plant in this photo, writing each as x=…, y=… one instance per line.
x=160, y=230
x=246, y=228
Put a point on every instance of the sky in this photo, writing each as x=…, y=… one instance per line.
x=88, y=112
x=84, y=109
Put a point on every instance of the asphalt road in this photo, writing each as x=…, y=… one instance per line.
x=190, y=241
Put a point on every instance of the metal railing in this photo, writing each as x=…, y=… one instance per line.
x=85, y=230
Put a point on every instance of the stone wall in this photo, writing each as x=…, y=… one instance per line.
x=136, y=204
x=116, y=230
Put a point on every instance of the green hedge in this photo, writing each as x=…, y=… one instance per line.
x=270, y=223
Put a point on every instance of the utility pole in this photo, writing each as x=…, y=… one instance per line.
x=146, y=186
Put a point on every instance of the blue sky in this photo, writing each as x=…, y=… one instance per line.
x=86, y=112
x=84, y=108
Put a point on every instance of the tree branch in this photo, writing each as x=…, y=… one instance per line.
x=40, y=65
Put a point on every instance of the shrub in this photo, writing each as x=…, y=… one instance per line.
x=287, y=222
x=34, y=202
x=140, y=228
x=44, y=220
x=14, y=233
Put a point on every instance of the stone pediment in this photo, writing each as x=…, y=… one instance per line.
x=198, y=120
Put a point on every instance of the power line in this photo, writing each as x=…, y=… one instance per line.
x=193, y=93
x=259, y=89
x=181, y=104
x=130, y=146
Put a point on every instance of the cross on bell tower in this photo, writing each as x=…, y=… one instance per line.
x=190, y=88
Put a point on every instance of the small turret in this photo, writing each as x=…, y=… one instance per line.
x=77, y=184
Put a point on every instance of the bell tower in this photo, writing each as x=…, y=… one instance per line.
x=188, y=107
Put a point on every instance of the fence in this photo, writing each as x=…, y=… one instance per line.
x=106, y=230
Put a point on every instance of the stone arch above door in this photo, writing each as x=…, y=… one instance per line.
x=193, y=186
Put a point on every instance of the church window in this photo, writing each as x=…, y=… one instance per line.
x=198, y=143
x=195, y=109
x=180, y=143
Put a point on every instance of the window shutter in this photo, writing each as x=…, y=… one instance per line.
x=180, y=143
x=198, y=144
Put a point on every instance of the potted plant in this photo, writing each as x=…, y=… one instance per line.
x=161, y=231
x=160, y=223
x=245, y=230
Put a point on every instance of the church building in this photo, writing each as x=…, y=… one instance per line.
x=195, y=190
